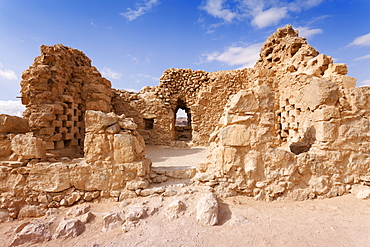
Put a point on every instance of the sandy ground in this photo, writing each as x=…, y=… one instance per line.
x=341, y=221
x=163, y=156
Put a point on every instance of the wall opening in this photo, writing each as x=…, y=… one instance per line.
x=148, y=123
x=182, y=122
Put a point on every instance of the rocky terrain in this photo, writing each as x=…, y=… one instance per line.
x=181, y=215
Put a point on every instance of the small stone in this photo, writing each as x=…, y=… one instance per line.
x=112, y=221
x=175, y=208
x=69, y=228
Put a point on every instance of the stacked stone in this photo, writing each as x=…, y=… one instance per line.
x=57, y=89
x=310, y=142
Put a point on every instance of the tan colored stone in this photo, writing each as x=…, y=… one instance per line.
x=13, y=124
x=49, y=177
x=123, y=148
x=28, y=147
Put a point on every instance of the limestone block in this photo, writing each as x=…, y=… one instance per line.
x=175, y=209
x=123, y=148
x=337, y=68
x=33, y=233
x=137, y=184
x=319, y=184
x=97, y=121
x=113, y=129
x=348, y=82
x=28, y=147
x=207, y=210
x=31, y=211
x=360, y=97
x=89, y=178
x=69, y=228
x=236, y=135
x=13, y=124
x=5, y=148
x=141, y=168
x=361, y=191
x=128, y=124
x=320, y=92
x=326, y=131
x=49, y=177
x=98, y=147
x=112, y=221
x=243, y=102
x=326, y=113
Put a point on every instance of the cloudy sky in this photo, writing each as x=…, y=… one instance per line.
x=132, y=42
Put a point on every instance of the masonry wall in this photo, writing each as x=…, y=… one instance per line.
x=56, y=90
x=201, y=93
x=299, y=132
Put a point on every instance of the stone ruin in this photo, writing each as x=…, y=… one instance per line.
x=294, y=126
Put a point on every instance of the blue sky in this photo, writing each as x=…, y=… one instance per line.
x=132, y=42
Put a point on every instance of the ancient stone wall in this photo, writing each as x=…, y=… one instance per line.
x=114, y=167
x=201, y=94
x=299, y=132
x=56, y=90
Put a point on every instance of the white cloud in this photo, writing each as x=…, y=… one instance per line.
x=307, y=32
x=300, y=5
x=365, y=83
x=144, y=78
x=363, y=57
x=262, y=13
x=216, y=9
x=8, y=74
x=269, y=17
x=11, y=107
x=363, y=40
x=131, y=90
x=110, y=74
x=242, y=56
x=141, y=9
x=153, y=78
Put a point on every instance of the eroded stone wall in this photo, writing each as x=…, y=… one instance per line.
x=299, y=132
x=56, y=90
x=114, y=167
x=202, y=94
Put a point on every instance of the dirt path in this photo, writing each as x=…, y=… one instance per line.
x=175, y=157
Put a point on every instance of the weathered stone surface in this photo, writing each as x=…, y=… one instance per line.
x=112, y=221
x=136, y=212
x=69, y=228
x=77, y=211
x=361, y=191
x=28, y=147
x=175, y=209
x=54, y=177
x=236, y=135
x=207, y=210
x=13, y=124
x=33, y=233
x=320, y=92
x=97, y=121
x=123, y=148
x=4, y=216
x=31, y=211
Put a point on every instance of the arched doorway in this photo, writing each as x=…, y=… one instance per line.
x=182, y=122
